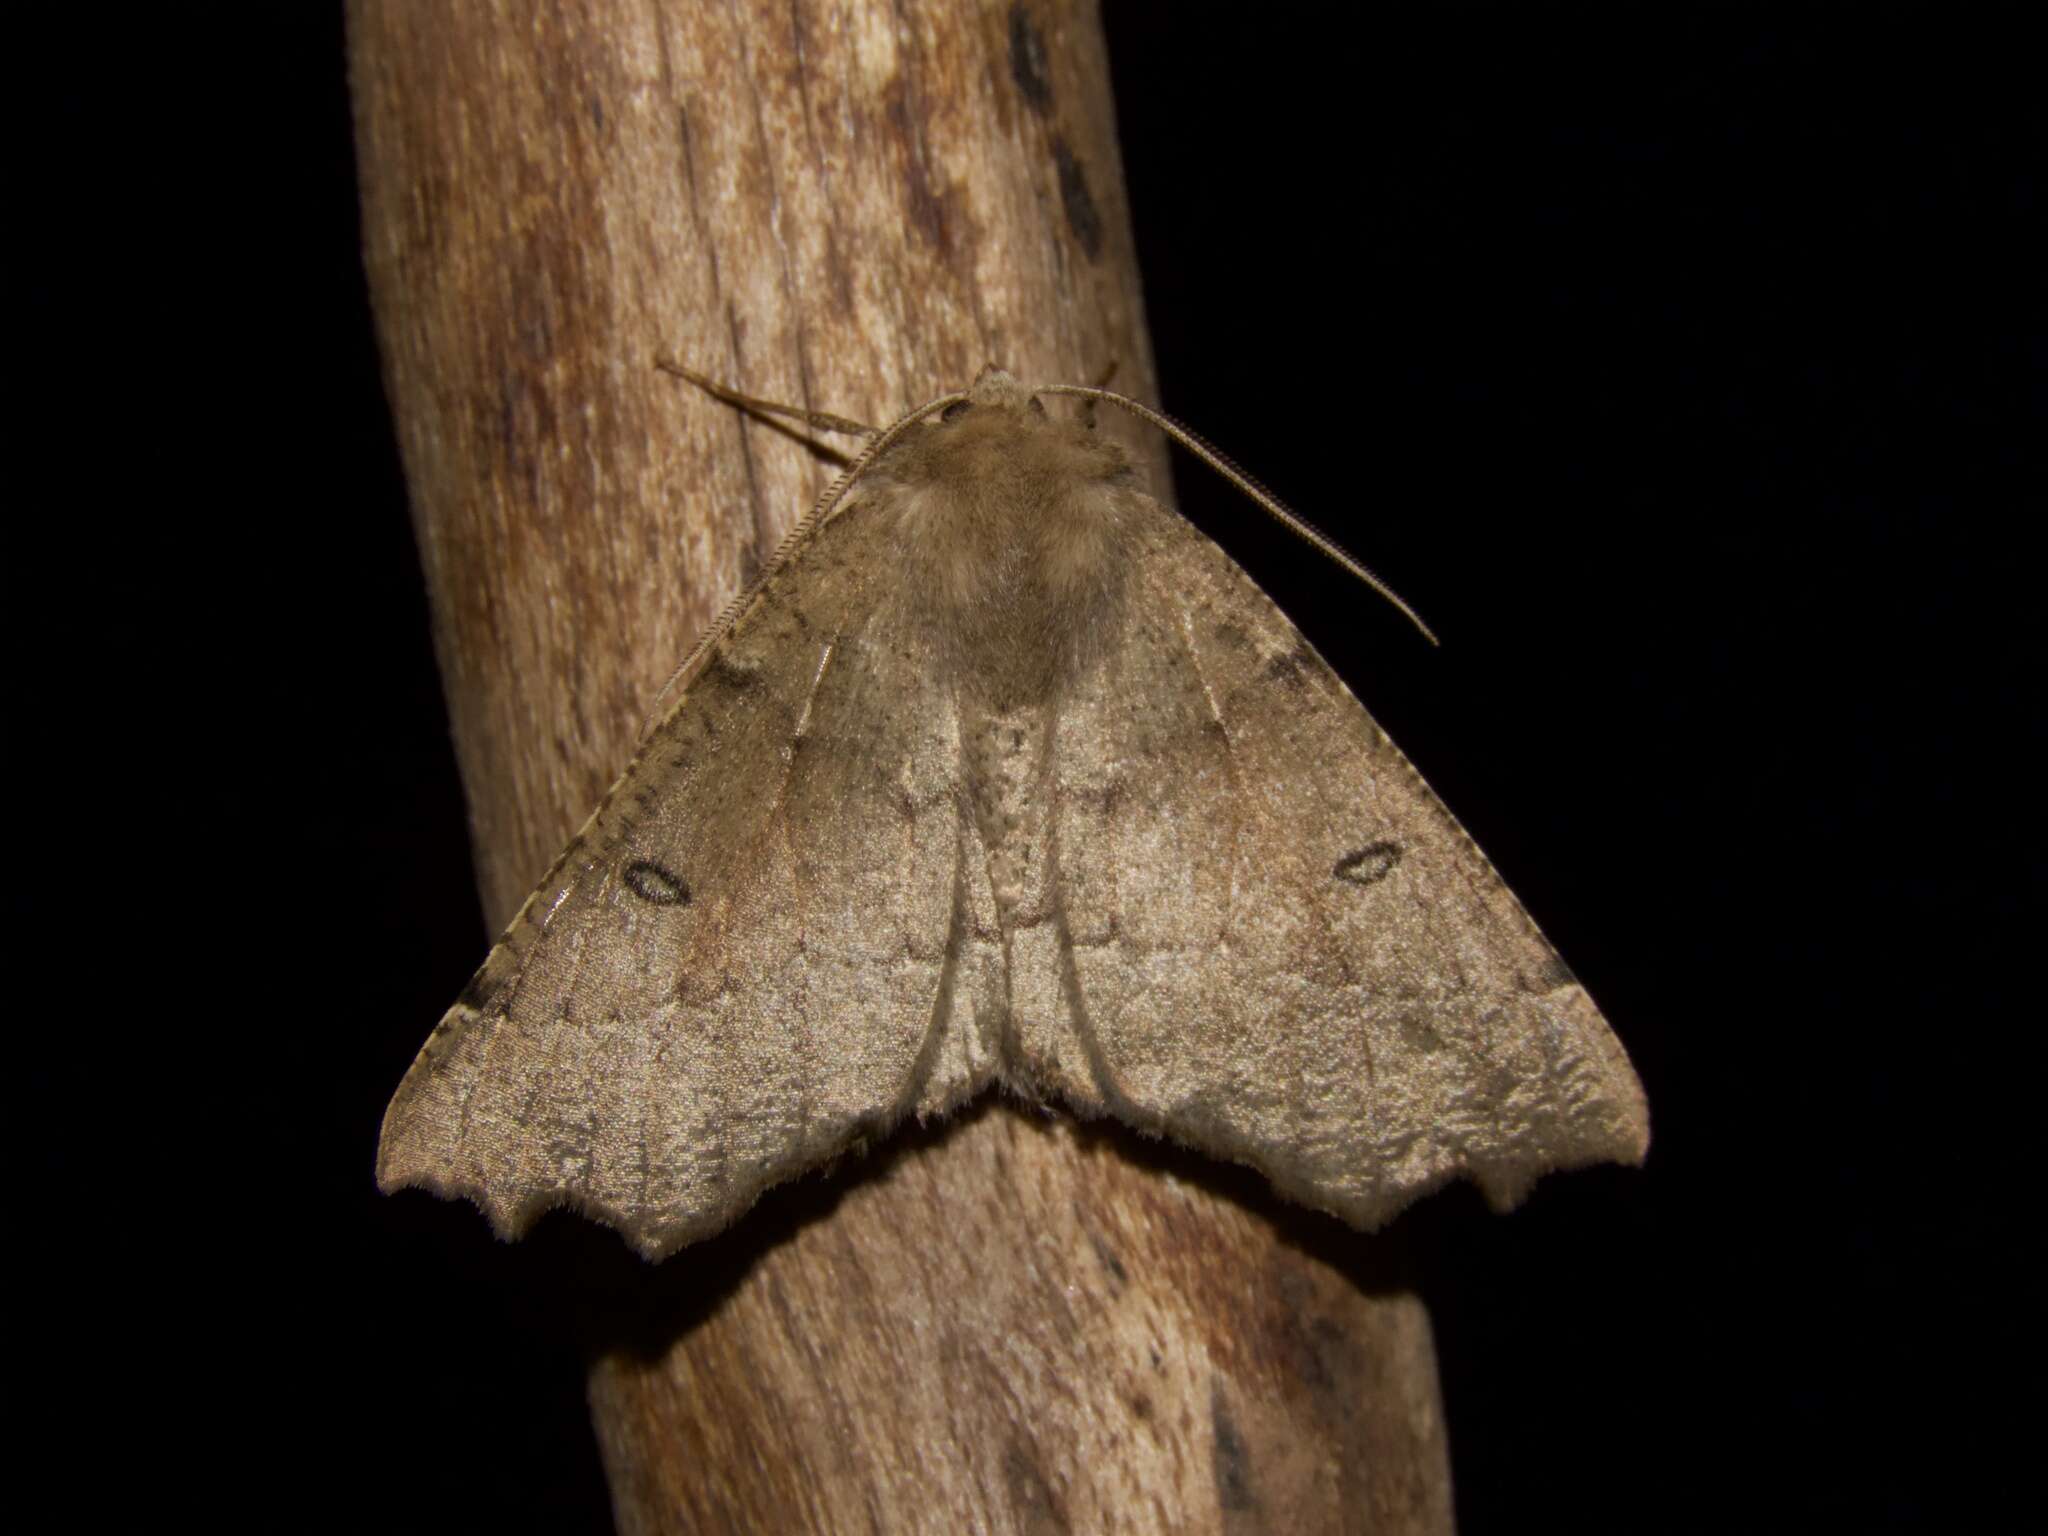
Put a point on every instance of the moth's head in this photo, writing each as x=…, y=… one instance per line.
x=997, y=399
x=999, y=419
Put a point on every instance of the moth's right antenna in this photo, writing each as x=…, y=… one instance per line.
x=1317, y=540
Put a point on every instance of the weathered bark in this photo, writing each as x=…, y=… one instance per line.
x=1014, y=1325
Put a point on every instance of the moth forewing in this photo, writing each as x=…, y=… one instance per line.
x=1004, y=772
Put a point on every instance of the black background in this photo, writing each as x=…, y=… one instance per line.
x=1683, y=367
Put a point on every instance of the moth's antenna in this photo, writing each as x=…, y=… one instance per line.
x=1317, y=540
x=878, y=443
x=824, y=421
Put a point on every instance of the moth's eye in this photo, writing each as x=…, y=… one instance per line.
x=956, y=410
x=1037, y=406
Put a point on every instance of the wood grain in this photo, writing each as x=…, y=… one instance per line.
x=1014, y=1324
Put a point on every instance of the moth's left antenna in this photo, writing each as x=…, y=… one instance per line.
x=878, y=440
x=824, y=421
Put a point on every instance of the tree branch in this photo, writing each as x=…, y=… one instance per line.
x=1018, y=1324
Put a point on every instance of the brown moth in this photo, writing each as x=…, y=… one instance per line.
x=1005, y=774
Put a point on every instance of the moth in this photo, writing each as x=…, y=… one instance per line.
x=1006, y=775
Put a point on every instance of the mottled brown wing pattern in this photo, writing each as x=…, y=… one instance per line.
x=743, y=964
x=1284, y=949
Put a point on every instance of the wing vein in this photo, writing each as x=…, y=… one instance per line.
x=1185, y=633
x=806, y=1040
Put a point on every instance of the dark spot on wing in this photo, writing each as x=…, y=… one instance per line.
x=1555, y=974
x=477, y=993
x=1114, y=793
x=1290, y=670
x=1368, y=865
x=1027, y=60
x=1083, y=218
x=655, y=885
